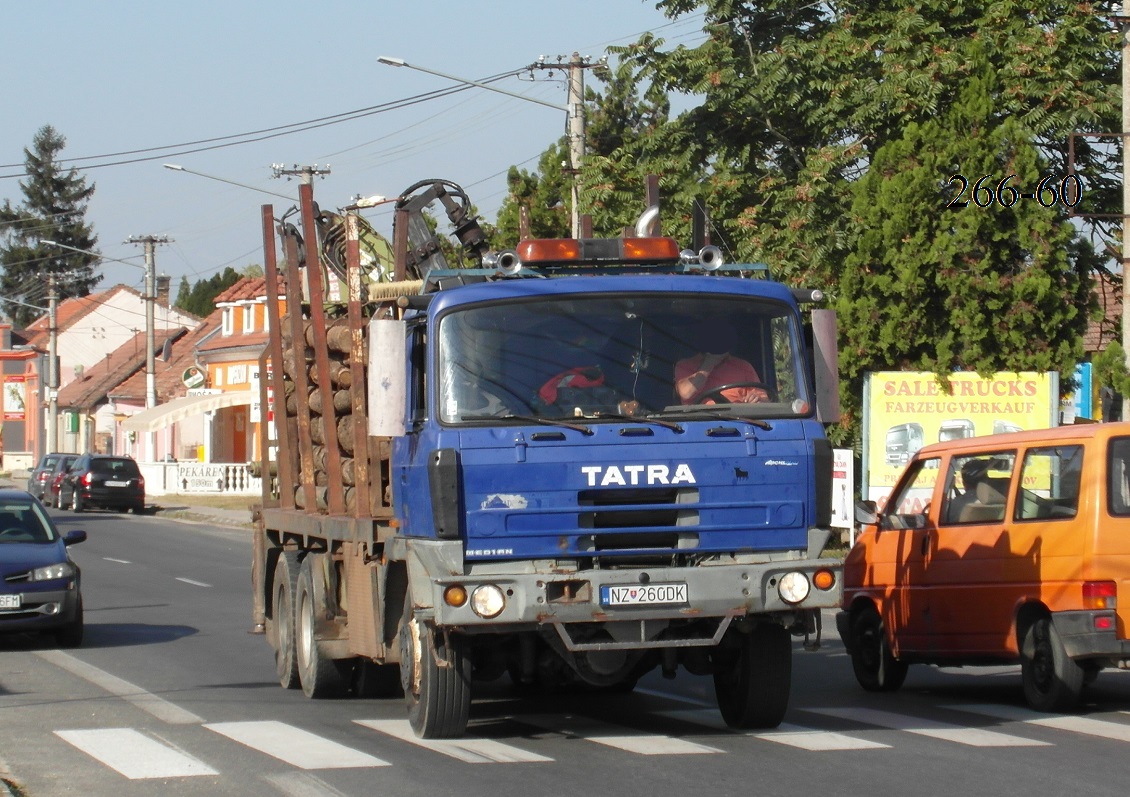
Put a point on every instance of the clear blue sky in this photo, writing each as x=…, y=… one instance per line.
x=115, y=76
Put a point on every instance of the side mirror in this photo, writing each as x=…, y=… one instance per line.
x=74, y=537
x=866, y=512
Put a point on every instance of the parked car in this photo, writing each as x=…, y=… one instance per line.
x=103, y=480
x=55, y=478
x=41, y=475
x=40, y=586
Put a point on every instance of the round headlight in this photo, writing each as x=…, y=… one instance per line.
x=793, y=587
x=488, y=601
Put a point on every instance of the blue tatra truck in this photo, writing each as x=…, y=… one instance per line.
x=488, y=471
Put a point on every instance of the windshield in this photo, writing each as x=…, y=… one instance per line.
x=596, y=356
x=24, y=521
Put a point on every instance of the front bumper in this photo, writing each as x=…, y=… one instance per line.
x=41, y=611
x=540, y=593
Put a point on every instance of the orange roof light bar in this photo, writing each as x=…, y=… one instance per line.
x=598, y=251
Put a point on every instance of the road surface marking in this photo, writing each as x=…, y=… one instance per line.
x=294, y=745
x=612, y=736
x=1085, y=725
x=792, y=735
x=119, y=561
x=471, y=751
x=135, y=755
x=159, y=708
x=193, y=583
x=974, y=737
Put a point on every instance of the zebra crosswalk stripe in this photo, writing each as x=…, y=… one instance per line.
x=1105, y=729
x=792, y=735
x=613, y=736
x=974, y=737
x=293, y=745
x=134, y=754
x=469, y=750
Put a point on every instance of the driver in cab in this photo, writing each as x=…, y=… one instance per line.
x=698, y=378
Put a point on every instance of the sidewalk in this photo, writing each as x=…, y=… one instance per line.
x=178, y=507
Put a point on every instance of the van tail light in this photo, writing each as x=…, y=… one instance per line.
x=1100, y=595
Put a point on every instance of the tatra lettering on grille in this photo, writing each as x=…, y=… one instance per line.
x=625, y=475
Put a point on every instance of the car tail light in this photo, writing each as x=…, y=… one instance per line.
x=87, y=478
x=1100, y=595
x=141, y=482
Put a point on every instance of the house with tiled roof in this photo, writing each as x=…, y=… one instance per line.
x=86, y=329
x=226, y=389
x=87, y=398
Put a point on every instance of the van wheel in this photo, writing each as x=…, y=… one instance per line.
x=321, y=676
x=752, y=676
x=435, y=673
x=286, y=658
x=876, y=668
x=1052, y=680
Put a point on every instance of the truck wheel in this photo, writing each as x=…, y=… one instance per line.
x=435, y=674
x=1052, y=680
x=752, y=678
x=876, y=668
x=321, y=676
x=286, y=658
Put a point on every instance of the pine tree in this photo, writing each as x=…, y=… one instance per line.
x=54, y=209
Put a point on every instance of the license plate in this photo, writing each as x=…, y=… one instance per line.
x=643, y=595
x=9, y=601
x=117, y=484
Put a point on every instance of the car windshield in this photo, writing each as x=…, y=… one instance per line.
x=24, y=521
x=602, y=356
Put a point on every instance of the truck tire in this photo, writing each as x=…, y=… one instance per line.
x=435, y=673
x=321, y=677
x=286, y=657
x=876, y=668
x=1052, y=680
x=752, y=677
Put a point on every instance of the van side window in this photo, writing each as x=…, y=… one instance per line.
x=909, y=506
x=977, y=488
x=1050, y=483
x=1118, y=476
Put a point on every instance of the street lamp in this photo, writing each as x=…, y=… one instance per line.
x=574, y=110
x=177, y=168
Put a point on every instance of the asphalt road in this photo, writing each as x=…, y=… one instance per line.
x=171, y=694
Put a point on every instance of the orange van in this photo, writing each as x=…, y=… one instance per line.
x=998, y=549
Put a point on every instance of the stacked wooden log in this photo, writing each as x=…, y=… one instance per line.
x=319, y=399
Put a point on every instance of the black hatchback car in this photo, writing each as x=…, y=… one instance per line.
x=103, y=480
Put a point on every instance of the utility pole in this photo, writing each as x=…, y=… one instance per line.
x=575, y=108
x=150, y=243
x=1124, y=21
x=306, y=174
x=52, y=442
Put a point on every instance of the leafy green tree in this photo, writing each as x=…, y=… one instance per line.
x=200, y=300
x=54, y=209
x=997, y=285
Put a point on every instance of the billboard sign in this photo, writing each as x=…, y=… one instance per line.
x=905, y=410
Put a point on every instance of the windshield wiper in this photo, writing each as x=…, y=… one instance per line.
x=720, y=416
x=617, y=416
x=576, y=427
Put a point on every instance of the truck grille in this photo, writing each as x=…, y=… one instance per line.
x=652, y=510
